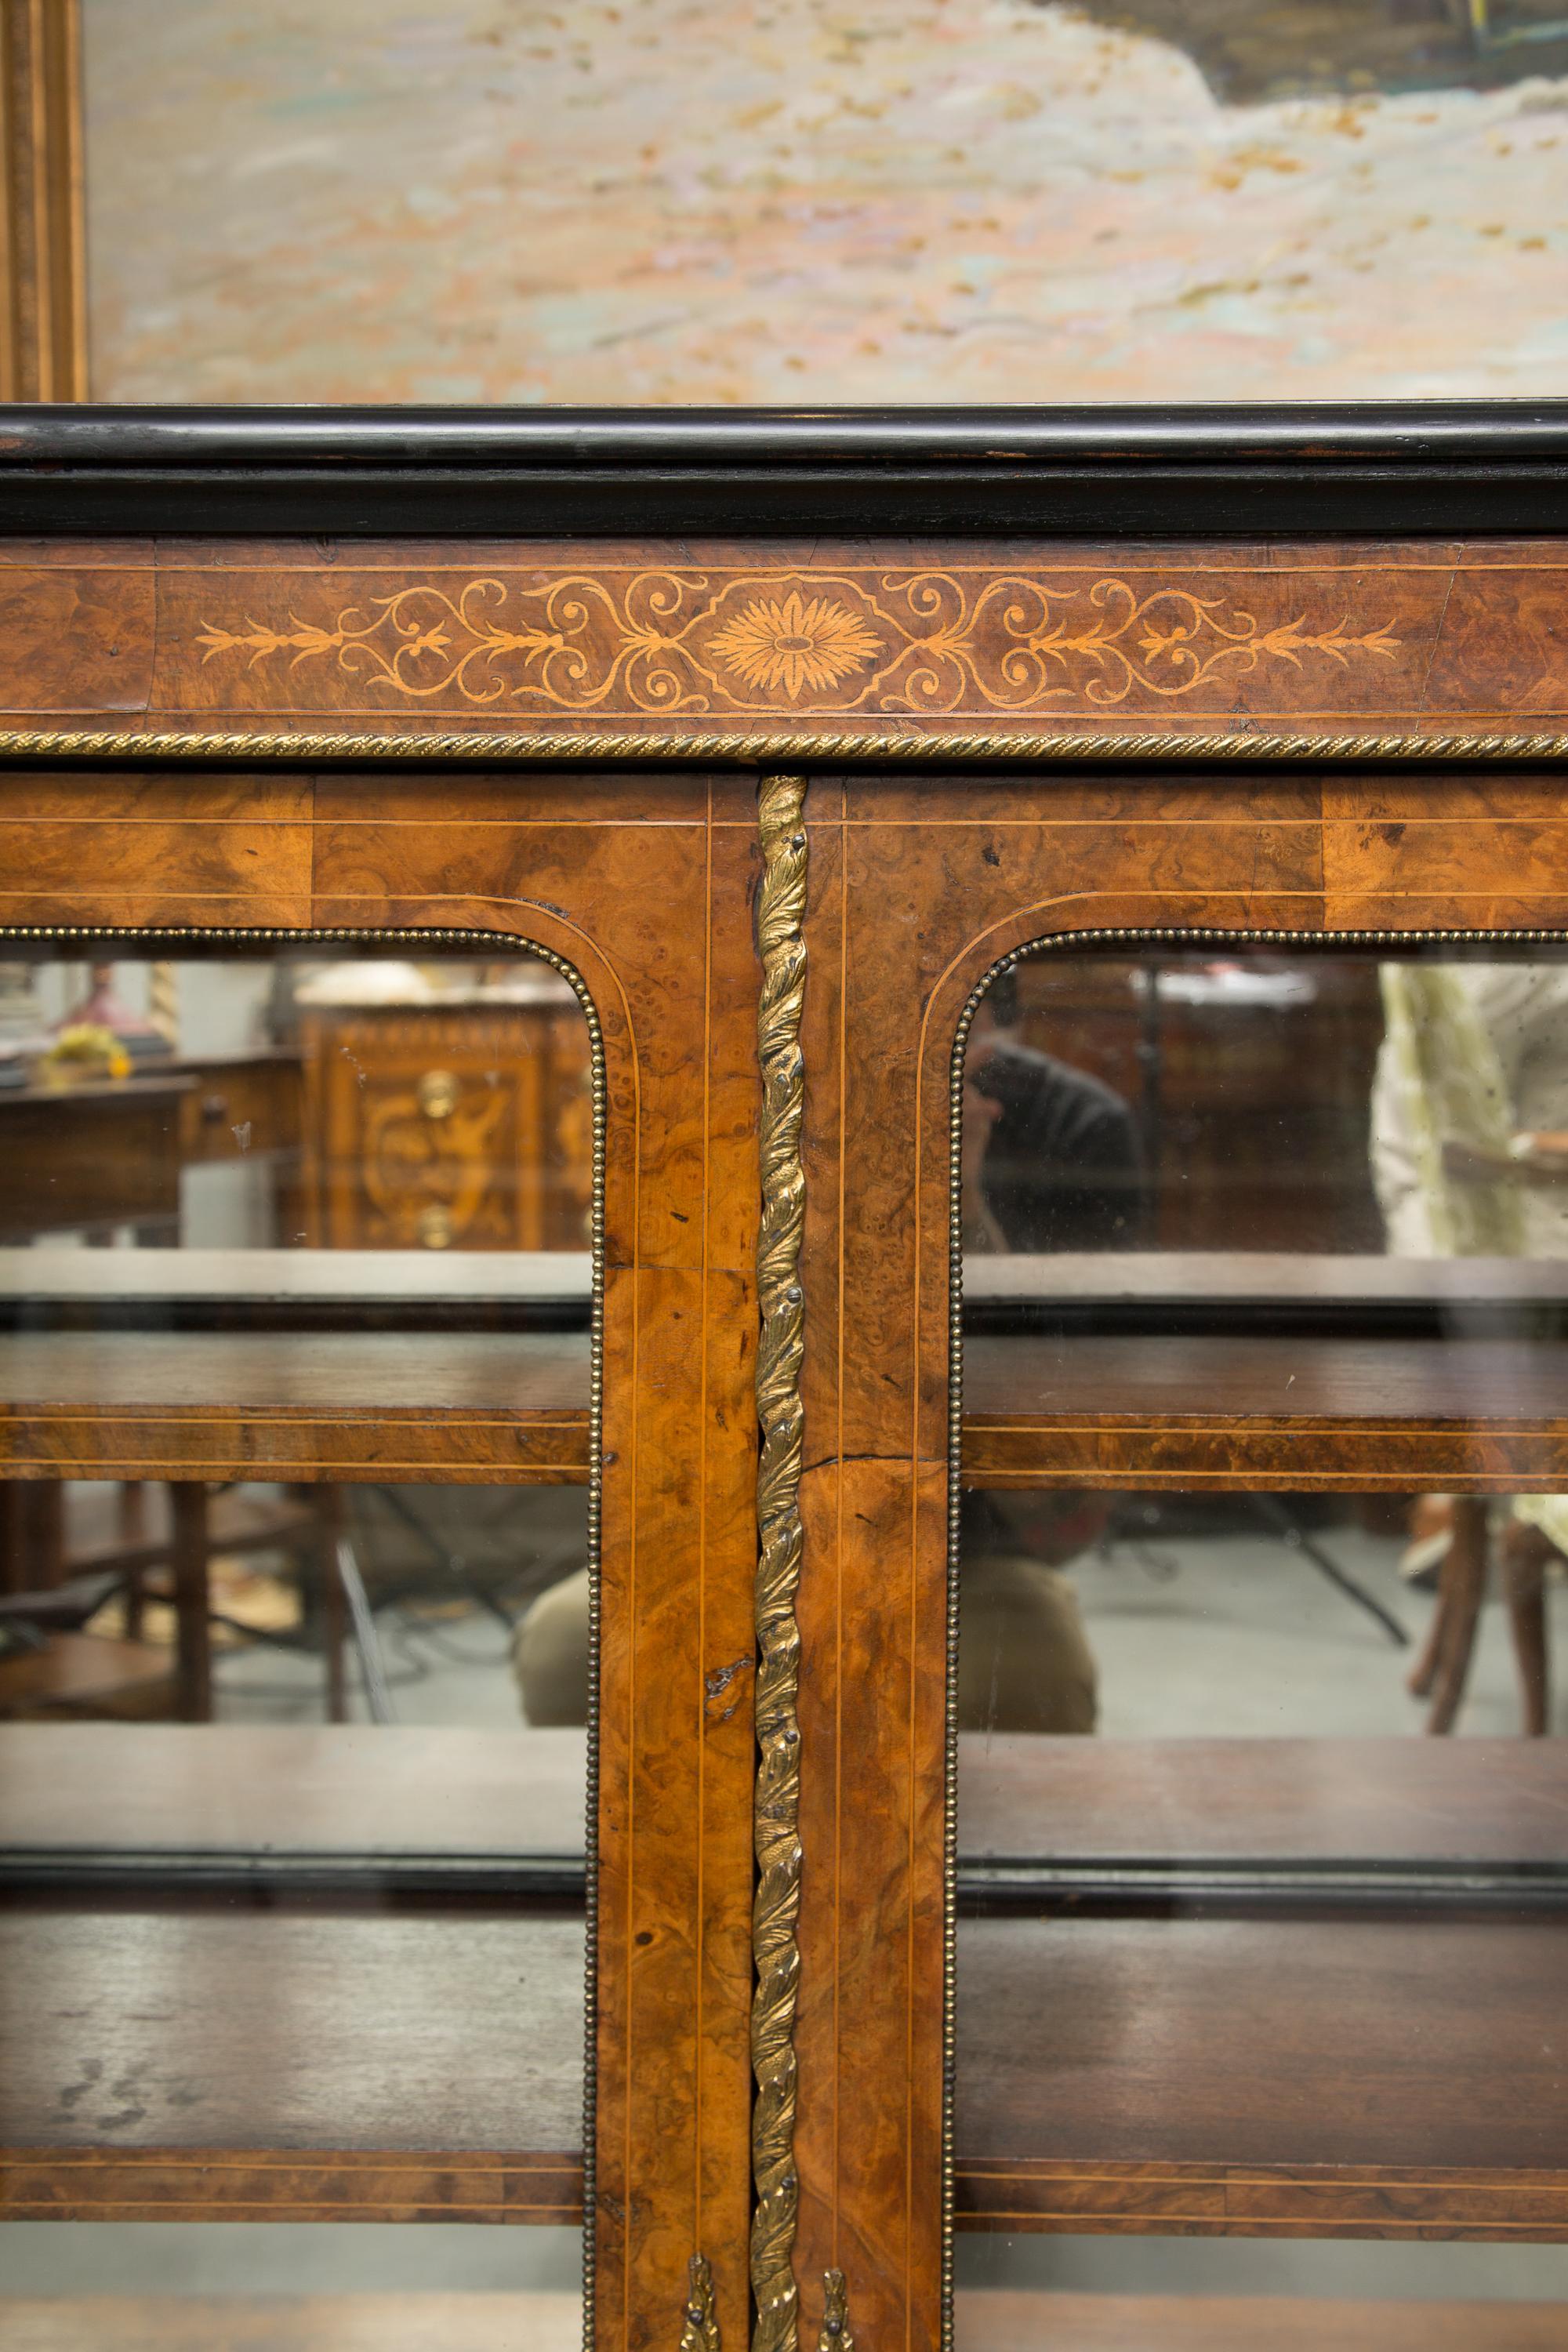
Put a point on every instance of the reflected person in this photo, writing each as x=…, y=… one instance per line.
x=1050, y=1162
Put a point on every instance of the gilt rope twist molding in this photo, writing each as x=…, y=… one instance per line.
x=781, y=909
x=667, y=641
x=740, y=747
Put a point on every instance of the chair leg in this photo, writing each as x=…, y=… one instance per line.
x=32, y=1539
x=193, y=1601
x=328, y=1503
x=1525, y=1552
x=49, y=1532
x=1461, y=1588
x=132, y=1515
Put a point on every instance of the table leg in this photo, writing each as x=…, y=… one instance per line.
x=334, y=1604
x=1525, y=1552
x=188, y=1505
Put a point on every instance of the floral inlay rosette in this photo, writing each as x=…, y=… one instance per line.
x=801, y=643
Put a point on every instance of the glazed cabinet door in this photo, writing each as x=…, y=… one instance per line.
x=1190, y=1463
x=377, y=1336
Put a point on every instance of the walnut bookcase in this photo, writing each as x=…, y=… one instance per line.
x=813, y=722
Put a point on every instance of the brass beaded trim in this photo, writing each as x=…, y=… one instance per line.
x=484, y=943
x=1059, y=943
x=781, y=946
x=930, y=747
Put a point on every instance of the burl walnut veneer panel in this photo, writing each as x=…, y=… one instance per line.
x=697, y=636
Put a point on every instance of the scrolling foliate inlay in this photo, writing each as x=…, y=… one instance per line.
x=689, y=643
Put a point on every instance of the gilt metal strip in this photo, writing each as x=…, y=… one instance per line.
x=932, y=747
x=781, y=909
x=700, y=2320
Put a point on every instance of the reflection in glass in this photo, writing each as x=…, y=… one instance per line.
x=296, y=1287
x=272, y=2287
x=1238, y=2294
x=1247, y=1238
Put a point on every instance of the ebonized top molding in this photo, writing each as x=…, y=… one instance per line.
x=1361, y=470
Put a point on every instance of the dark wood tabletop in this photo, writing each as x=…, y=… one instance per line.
x=485, y=1406
x=1151, y=1410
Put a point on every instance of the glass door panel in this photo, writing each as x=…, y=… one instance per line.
x=297, y=1289
x=1262, y=1853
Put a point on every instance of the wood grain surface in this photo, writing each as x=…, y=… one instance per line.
x=927, y=634
x=1359, y=1415
x=921, y=884
x=1430, y=2054
x=331, y=2044
x=640, y=884
x=301, y=1406
x=917, y=884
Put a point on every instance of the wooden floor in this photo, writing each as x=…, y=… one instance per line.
x=996, y=2321
x=287, y=2323
x=986, y=2322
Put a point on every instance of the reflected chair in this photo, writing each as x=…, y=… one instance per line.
x=1521, y=1553
x=173, y=1564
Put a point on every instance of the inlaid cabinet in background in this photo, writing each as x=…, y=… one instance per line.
x=465, y=1126
x=784, y=1381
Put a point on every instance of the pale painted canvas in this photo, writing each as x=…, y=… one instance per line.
x=810, y=202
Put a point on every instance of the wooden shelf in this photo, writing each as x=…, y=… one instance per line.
x=990, y=2320
x=1451, y=1802
x=475, y=1407
x=330, y=2323
x=1315, y=2077
x=260, y=2064
x=1360, y=1414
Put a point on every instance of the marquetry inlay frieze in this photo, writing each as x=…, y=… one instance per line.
x=672, y=642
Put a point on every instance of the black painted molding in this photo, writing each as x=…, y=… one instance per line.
x=1385, y=470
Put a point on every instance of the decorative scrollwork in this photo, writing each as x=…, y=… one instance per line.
x=781, y=909
x=671, y=643
x=1018, y=643
x=699, y=2321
